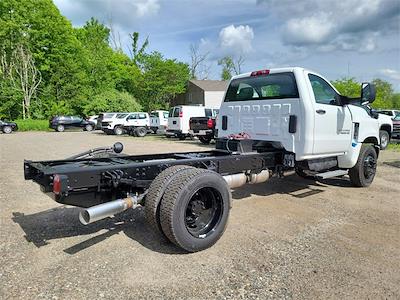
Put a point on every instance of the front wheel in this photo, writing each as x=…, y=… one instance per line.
x=384, y=137
x=60, y=128
x=7, y=129
x=195, y=208
x=118, y=130
x=88, y=127
x=363, y=173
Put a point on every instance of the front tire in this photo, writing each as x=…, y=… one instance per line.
x=60, y=128
x=7, y=129
x=195, y=208
x=363, y=173
x=182, y=137
x=118, y=130
x=384, y=138
x=88, y=127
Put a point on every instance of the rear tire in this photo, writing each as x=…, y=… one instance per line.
x=384, y=138
x=363, y=173
x=182, y=137
x=140, y=131
x=88, y=127
x=156, y=191
x=60, y=128
x=205, y=139
x=7, y=129
x=195, y=208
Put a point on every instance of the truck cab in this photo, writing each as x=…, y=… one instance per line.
x=300, y=111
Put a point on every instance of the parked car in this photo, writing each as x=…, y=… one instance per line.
x=178, y=120
x=104, y=117
x=93, y=119
x=137, y=124
x=8, y=127
x=60, y=123
x=114, y=124
x=385, y=129
x=204, y=127
x=158, y=120
x=390, y=112
x=395, y=115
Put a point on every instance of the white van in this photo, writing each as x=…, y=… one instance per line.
x=158, y=120
x=178, y=120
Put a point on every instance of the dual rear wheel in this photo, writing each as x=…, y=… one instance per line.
x=189, y=206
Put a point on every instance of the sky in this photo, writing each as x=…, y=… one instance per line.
x=336, y=38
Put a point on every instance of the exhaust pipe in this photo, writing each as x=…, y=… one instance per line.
x=238, y=180
x=101, y=211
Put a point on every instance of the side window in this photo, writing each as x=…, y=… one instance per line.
x=142, y=116
x=176, y=112
x=323, y=92
x=165, y=115
x=208, y=112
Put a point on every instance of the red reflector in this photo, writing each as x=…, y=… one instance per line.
x=261, y=72
x=180, y=114
x=210, y=123
x=57, y=184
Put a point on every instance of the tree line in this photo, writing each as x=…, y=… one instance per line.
x=48, y=67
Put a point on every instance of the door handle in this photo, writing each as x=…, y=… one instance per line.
x=321, y=111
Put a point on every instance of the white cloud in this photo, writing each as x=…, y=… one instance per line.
x=147, y=7
x=309, y=30
x=335, y=25
x=392, y=74
x=236, y=40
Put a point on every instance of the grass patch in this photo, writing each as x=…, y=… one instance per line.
x=32, y=125
x=394, y=146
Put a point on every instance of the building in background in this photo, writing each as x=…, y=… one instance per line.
x=209, y=93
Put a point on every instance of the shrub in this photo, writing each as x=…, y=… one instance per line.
x=32, y=125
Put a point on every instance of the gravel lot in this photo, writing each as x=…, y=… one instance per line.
x=288, y=238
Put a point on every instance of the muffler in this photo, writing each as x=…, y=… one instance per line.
x=237, y=180
x=101, y=211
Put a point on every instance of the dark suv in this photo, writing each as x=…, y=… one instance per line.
x=60, y=123
x=8, y=127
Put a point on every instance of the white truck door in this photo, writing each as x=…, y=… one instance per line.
x=132, y=120
x=332, y=127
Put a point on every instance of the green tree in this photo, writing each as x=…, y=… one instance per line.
x=112, y=100
x=162, y=79
x=384, y=94
x=348, y=87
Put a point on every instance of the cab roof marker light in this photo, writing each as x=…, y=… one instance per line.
x=259, y=73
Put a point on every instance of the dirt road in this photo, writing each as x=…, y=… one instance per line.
x=288, y=238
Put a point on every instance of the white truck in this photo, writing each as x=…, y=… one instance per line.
x=158, y=120
x=271, y=122
x=135, y=123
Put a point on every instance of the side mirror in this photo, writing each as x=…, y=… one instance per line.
x=368, y=93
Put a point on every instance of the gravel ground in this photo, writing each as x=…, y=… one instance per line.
x=288, y=238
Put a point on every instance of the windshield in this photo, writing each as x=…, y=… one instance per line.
x=263, y=87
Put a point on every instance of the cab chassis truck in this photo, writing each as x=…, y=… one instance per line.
x=271, y=121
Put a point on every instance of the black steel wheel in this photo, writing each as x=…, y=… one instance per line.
x=195, y=208
x=363, y=173
x=156, y=191
x=205, y=139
